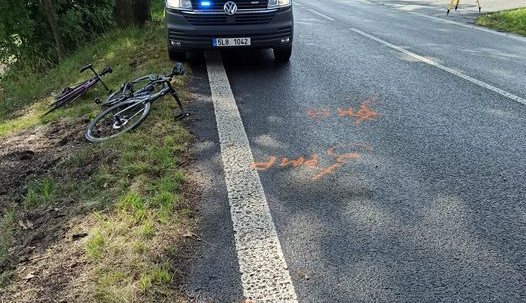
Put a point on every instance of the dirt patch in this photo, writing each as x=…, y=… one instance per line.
x=54, y=274
x=48, y=259
x=46, y=253
x=32, y=153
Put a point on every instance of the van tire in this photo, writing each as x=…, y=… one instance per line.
x=282, y=54
x=177, y=56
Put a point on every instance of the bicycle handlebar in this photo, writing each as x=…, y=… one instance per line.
x=126, y=91
x=155, y=79
x=106, y=70
x=178, y=70
x=89, y=66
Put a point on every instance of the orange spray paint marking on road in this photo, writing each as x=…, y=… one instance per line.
x=342, y=158
x=319, y=113
x=261, y=166
x=365, y=114
x=327, y=171
x=313, y=163
x=359, y=116
x=344, y=112
x=294, y=163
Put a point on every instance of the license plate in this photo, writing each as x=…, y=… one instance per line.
x=229, y=42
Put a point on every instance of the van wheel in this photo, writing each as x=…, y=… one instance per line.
x=282, y=54
x=176, y=55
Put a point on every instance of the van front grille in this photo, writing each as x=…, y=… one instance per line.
x=239, y=19
x=241, y=4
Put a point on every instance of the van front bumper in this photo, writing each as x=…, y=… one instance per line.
x=182, y=35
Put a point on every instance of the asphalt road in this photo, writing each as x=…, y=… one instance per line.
x=426, y=200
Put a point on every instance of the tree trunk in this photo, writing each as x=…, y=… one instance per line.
x=132, y=12
x=52, y=19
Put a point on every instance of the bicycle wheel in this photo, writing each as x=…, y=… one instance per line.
x=117, y=97
x=117, y=119
x=62, y=103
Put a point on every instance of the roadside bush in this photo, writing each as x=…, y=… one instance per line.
x=26, y=37
x=25, y=34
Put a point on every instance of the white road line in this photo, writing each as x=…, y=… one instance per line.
x=475, y=27
x=264, y=274
x=470, y=26
x=444, y=68
x=320, y=14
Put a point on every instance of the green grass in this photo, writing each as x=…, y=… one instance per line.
x=157, y=275
x=39, y=192
x=25, y=93
x=158, y=11
x=136, y=211
x=148, y=229
x=108, y=288
x=94, y=245
x=145, y=187
x=7, y=227
x=80, y=158
x=512, y=21
x=148, y=188
x=22, y=122
x=25, y=96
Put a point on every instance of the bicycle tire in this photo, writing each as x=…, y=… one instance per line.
x=127, y=91
x=114, y=98
x=70, y=95
x=62, y=103
x=92, y=131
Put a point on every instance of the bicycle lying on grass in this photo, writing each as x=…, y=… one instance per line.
x=128, y=108
x=70, y=94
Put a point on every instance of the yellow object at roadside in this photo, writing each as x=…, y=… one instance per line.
x=456, y=2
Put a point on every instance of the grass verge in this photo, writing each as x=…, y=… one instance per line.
x=512, y=21
x=132, y=246
x=97, y=223
x=130, y=52
x=7, y=223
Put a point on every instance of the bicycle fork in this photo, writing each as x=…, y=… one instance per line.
x=98, y=77
x=179, y=103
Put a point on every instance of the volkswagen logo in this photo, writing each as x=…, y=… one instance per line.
x=230, y=8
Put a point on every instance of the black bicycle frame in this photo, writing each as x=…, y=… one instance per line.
x=163, y=92
x=142, y=95
x=69, y=95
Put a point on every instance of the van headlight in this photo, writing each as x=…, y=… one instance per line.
x=279, y=3
x=179, y=4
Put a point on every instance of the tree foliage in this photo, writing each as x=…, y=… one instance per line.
x=132, y=12
x=26, y=35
